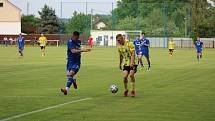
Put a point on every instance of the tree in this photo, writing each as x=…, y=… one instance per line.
x=49, y=23
x=29, y=24
x=203, y=18
x=78, y=23
x=152, y=16
x=128, y=23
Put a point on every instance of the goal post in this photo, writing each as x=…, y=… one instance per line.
x=132, y=35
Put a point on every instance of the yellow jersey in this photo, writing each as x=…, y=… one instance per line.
x=171, y=45
x=42, y=41
x=126, y=50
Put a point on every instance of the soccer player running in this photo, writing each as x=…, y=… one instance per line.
x=73, y=60
x=42, y=41
x=21, y=44
x=127, y=60
x=171, y=46
x=198, y=45
x=139, y=47
x=145, y=48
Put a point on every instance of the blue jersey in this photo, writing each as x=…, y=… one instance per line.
x=198, y=45
x=74, y=58
x=145, y=48
x=138, y=46
x=21, y=42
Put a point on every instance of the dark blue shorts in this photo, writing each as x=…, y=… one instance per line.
x=21, y=48
x=146, y=54
x=72, y=67
x=139, y=53
x=199, y=51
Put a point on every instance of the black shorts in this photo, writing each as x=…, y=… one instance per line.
x=171, y=50
x=42, y=47
x=128, y=68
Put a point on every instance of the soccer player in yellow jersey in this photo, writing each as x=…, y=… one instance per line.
x=128, y=62
x=42, y=42
x=171, y=46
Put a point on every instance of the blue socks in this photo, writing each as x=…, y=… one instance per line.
x=69, y=82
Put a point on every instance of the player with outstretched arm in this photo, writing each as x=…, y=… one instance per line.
x=73, y=60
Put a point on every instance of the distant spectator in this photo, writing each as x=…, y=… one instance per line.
x=10, y=40
x=5, y=41
x=35, y=41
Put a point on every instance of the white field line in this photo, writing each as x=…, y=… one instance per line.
x=44, y=109
x=35, y=97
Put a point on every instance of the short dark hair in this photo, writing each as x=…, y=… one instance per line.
x=76, y=33
x=118, y=35
x=143, y=33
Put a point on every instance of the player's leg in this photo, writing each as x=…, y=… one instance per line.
x=75, y=69
x=140, y=61
x=126, y=69
x=132, y=80
x=41, y=48
x=70, y=75
x=148, y=60
x=20, y=51
x=169, y=51
x=201, y=54
x=43, y=51
x=198, y=55
x=72, y=70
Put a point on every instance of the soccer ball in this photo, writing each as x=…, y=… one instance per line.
x=113, y=88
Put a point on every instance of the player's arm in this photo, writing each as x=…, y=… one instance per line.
x=147, y=43
x=74, y=50
x=132, y=58
x=24, y=41
x=132, y=51
x=120, y=61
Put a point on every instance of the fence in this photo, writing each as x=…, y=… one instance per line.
x=180, y=42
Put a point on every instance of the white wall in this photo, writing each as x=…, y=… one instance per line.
x=100, y=25
x=12, y=28
x=109, y=35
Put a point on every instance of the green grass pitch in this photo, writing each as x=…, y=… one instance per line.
x=176, y=89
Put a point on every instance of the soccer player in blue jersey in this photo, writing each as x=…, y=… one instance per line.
x=139, y=47
x=198, y=45
x=21, y=44
x=73, y=60
x=145, y=48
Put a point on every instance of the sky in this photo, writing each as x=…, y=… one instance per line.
x=211, y=2
x=68, y=6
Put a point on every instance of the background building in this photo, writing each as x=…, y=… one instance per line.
x=10, y=18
